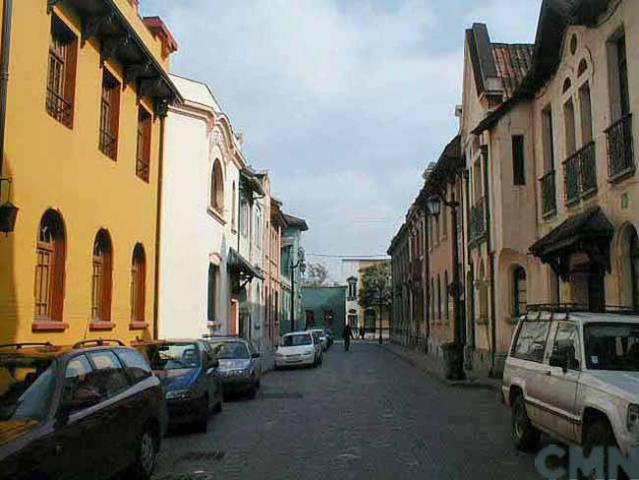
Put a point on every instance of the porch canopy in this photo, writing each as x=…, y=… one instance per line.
x=589, y=232
x=241, y=268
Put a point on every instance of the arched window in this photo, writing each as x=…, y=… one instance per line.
x=446, y=297
x=138, y=284
x=101, y=277
x=633, y=244
x=583, y=66
x=233, y=206
x=520, y=293
x=49, y=272
x=567, y=85
x=217, y=187
x=439, y=297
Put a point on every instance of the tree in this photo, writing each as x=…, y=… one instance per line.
x=376, y=286
x=316, y=275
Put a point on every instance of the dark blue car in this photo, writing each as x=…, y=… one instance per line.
x=188, y=371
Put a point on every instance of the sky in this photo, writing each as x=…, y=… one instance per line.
x=344, y=102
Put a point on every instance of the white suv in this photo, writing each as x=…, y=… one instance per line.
x=574, y=376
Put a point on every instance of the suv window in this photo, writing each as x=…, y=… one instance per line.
x=567, y=344
x=110, y=377
x=531, y=341
x=135, y=364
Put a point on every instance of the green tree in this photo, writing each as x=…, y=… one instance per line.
x=375, y=290
x=316, y=275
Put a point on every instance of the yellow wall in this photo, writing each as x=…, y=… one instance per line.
x=55, y=167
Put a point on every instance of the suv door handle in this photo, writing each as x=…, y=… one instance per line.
x=549, y=373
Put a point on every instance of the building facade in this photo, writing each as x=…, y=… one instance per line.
x=357, y=316
x=547, y=140
x=292, y=263
x=81, y=259
x=399, y=251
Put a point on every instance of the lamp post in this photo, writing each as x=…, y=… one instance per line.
x=456, y=357
x=301, y=264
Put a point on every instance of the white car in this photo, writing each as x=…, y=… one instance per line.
x=574, y=376
x=323, y=337
x=297, y=348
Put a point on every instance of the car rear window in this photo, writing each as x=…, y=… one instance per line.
x=531, y=341
x=136, y=365
x=296, y=340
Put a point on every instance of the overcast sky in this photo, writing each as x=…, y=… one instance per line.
x=345, y=102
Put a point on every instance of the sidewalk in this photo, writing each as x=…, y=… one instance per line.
x=434, y=368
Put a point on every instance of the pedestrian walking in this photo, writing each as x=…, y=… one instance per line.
x=362, y=332
x=347, y=334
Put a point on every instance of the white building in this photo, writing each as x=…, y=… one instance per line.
x=203, y=278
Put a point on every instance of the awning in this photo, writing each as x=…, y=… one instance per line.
x=242, y=268
x=589, y=232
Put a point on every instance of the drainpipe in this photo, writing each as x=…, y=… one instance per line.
x=7, y=13
x=158, y=228
x=427, y=279
x=491, y=258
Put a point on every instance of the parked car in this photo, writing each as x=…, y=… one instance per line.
x=319, y=347
x=297, y=348
x=90, y=410
x=575, y=377
x=322, y=337
x=187, y=370
x=240, y=364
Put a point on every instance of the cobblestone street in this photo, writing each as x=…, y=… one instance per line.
x=363, y=414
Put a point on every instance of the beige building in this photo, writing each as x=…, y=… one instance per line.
x=552, y=170
x=359, y=317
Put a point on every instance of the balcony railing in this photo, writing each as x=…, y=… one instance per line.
x=621, y=162
x=580, y=174
x=548, y=194
x=108, y=144
x=59, y=108
x=478, y=220
x=142, y=168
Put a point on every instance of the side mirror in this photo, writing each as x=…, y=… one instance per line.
x=559, y=360
x=213, y=363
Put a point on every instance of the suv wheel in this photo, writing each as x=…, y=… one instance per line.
x=525, y=436
x=146, y=454
x=202, y=423
x=599, y=434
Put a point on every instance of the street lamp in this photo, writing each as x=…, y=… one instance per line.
x=301, y=264
x=455, y=355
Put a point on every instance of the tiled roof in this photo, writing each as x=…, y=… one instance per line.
x=513, y=63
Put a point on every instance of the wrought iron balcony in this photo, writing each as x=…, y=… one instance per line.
x=580, y=174
x=478, y=220
x=108, y=144
x=59, y=108
x=621, y=163
x=548, y=194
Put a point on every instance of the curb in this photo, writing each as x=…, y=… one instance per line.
x=401, y=353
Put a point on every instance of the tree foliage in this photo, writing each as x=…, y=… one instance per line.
x=375, y=287
x=316, y=275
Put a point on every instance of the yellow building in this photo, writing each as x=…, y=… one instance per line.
x=87, y=94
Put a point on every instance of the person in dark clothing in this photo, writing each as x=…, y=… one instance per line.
x=347, y=334
x=362, y=332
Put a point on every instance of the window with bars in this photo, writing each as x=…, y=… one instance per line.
x=101, y=278
x=61, y=72
x=109, y=115
x=49, y=272
x=138, y=284
x=143, y=152
x=520, y=293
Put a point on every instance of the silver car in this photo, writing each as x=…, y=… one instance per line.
x=574, y=376
x=240, y=368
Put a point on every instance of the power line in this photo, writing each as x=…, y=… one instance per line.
x=322, y=255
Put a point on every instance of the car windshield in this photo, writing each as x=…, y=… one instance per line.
x=296, y=340
x=26, y=387
x=173, y=356
x=612, y=346
x=228, y=350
